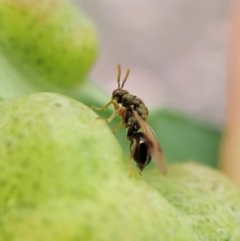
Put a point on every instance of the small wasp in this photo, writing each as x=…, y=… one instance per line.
x=134, y=113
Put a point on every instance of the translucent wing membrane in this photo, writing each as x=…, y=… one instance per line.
x=152, y=142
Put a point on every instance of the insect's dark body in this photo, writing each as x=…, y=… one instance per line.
x=134, y=113
x=138, y=105
x=125, y=99
x=141, y=154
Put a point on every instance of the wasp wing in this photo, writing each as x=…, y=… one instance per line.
x=152, y=142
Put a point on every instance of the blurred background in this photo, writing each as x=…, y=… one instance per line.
x=176, y=49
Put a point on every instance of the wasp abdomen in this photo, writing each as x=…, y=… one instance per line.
x=141, y=155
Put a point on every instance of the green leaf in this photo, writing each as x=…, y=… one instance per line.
x=183, y=138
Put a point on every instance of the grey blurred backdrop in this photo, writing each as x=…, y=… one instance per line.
x=177, y=51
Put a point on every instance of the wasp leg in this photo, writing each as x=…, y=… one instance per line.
x=133, y=149
x=122, y=112
x=115, y=130
x=108, y=120
x=139, y=170
x=116, y=105
x=114, y=102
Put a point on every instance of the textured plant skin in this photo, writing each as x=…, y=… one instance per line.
x=48, y=39
x=207, y=198
x=63, y=177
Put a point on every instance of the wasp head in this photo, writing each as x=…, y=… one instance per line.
x=118, y=93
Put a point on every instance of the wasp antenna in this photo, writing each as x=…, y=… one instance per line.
x=125, y=79
x=119, y=75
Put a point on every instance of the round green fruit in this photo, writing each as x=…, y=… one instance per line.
x=48, y=40
x=204, y=196
x=63, y=177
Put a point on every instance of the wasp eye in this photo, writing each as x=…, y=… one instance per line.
x=116, y=93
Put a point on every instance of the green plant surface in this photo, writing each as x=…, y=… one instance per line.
x=60, y=182
x=64, y=177
x=212, y=204
x=49, y=44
